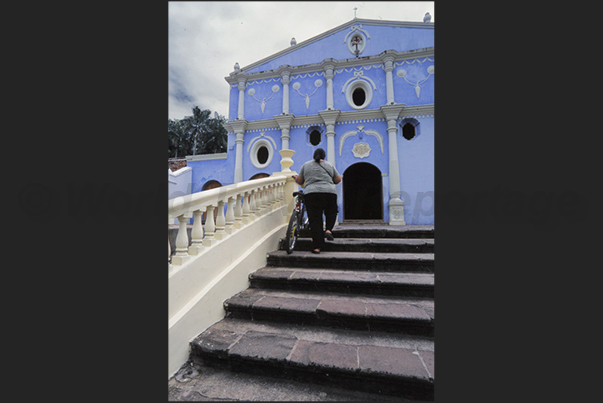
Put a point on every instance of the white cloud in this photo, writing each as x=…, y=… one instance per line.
x=207, y=38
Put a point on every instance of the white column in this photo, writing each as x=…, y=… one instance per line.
x=329, y=118
x=284, y=123
x=388, y=63
x=395, y=205
x=241, y=113
x=329, y=86
x=238, y=126
x=285, y=82
x=238, y=174
x=331, y=144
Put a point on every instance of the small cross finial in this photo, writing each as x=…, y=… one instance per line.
x=355, y=8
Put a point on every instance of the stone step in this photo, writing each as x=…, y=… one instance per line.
x=373, y=362
x=383, y=231
x=396, y=314
x=344, y=281
x=379, y=245
x=398, y=262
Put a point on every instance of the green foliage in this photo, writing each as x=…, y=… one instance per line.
x=197, y=134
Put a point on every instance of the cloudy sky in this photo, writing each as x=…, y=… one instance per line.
x=206, y=38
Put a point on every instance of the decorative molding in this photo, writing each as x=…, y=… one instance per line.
x=402, y=74
x=356, y=31
x=297, y=85
x=338, y=65
x=206, y=157
x=347, y=117
x=275, y=89
x=361, y=150
x=262, y=135
x=358, y=75
x=359, y=132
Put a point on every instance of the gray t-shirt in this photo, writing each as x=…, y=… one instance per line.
x=318, y=180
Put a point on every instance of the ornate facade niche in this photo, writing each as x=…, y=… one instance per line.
x=356, y=39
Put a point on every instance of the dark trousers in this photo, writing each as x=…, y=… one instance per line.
x=317, y=204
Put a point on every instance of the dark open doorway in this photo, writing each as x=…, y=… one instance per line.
x=362, y=192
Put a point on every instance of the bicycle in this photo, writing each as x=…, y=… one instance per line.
x=297, y=222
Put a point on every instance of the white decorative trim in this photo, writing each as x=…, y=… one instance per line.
x=402, y=74
x=251, y=92
x=207, y=157
x=361, y=150
x=360, y=130
x=358, y=75
x=318, y=73
x=347, y=117
x=356, y=31
x=297, y=85
x=254, y=151
x=359, y=84
x=262, y=135
x=378, y=136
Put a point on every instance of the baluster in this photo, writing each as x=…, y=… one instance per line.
x=230, y=217
x=210, y=227
x=220, y=222
x=239, y=211
x=181, y=255
x=246, y=208
x=196, y=234
x=271, y=198
x=253, y=206
x=263, y=199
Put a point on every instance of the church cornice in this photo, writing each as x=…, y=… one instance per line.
x=335, y=64
x=414, y=110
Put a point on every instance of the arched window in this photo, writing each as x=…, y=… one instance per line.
x=315, y=138
x=408, y=131
x=410, y=128
x=314, y=134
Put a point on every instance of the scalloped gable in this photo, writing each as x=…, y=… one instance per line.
x=382, y=35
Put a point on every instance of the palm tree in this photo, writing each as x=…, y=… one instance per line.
x=196, y=124
x=176, y=137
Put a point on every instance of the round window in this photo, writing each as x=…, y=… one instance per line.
x=359, y=94
x=261, y=154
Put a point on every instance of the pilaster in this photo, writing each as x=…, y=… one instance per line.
x=329, y=86
x=329, y=117
x=285, y=81
x=238, y=126
x=284, y=122
x=395, y=204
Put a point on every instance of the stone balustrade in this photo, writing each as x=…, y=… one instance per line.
x=234, y=206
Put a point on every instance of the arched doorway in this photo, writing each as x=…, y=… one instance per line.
x=362, y=192
x=211, y=184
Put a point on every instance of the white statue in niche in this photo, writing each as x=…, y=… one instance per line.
x=361, y=150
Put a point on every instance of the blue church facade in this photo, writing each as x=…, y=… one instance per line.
x=364, y=92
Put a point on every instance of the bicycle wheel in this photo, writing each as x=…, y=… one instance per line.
x=292, y=232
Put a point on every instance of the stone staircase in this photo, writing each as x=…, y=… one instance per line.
x=360, y=315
